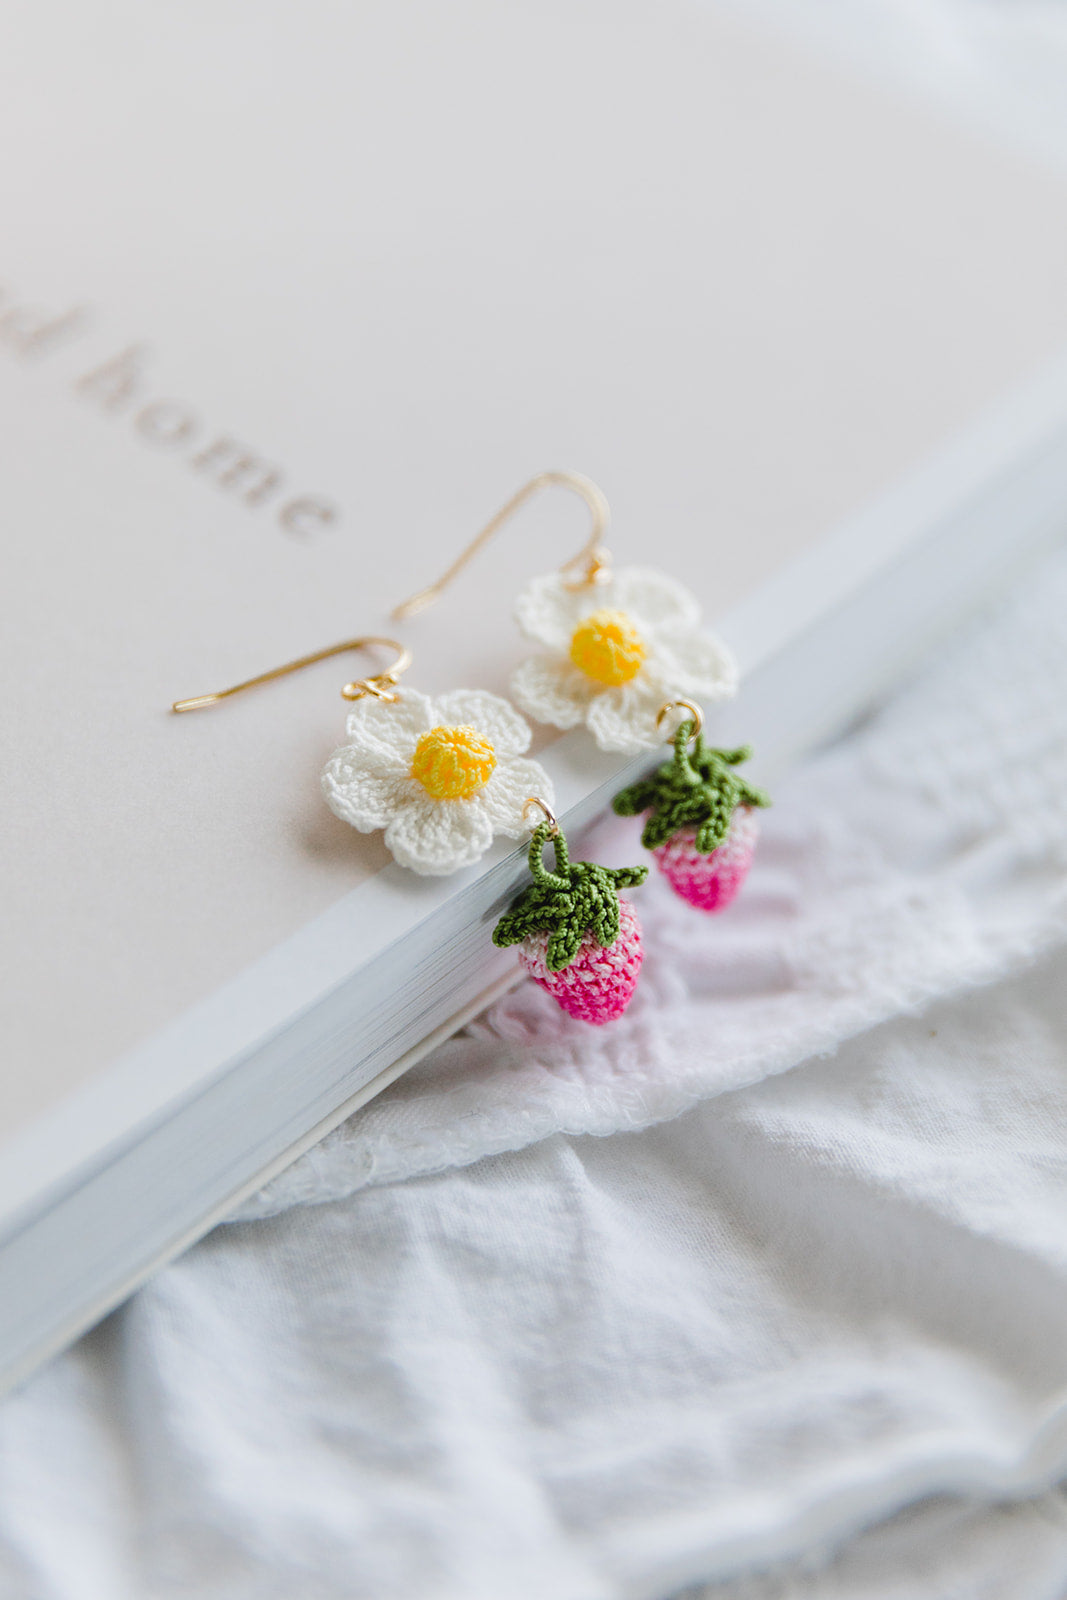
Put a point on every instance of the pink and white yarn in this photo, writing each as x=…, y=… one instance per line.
x=710, y=881
x=700, y=815
x=598, y=984
x=577, y=938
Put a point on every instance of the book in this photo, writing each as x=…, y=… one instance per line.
x=289, y=306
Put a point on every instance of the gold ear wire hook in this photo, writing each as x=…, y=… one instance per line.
x=592, y=564
x=379, y=683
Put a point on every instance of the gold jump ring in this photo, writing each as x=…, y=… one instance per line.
x=547, y=814
x=683, y=705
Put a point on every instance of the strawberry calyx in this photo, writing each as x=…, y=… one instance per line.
x=697, y=788
x=580, y=897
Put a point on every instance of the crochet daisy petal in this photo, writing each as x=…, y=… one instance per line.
x=653, y=598
x=435, y=837
x=699, y=665
x=552, y=690
x=625, y=719
x=508, y=790
x=365, y=799
x=548, y=611
x=495, y=719
x=386, y=731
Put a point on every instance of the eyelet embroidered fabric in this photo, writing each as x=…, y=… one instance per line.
x=813, y=1271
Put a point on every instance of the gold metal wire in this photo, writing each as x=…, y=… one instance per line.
x=693, y=711
x=379, y=683
x=546, y=814
x=592, y=564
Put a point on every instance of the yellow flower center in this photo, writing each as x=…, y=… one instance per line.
x=453, y=763
x=607, y=647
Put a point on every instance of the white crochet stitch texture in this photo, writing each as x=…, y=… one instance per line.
x=368, y=782
x=678, y=659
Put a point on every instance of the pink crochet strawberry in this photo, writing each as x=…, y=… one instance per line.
x=702, y=826
x=710, y=880
x=598, y=984
x=577, y=938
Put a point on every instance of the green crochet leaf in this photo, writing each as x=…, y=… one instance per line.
x=563, y=946
x=578, y=898
x=698, y=788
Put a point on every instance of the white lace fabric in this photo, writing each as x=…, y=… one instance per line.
x=813, y=1271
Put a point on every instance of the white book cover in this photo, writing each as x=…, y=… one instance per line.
x=290, y=301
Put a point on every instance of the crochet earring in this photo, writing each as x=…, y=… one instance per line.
x=440, y=775
x=623, y=650
x=577, y=937
x=701, y=826
x=615, y=643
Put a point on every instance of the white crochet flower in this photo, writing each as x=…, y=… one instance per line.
x=618, y=651
x=441, y=776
